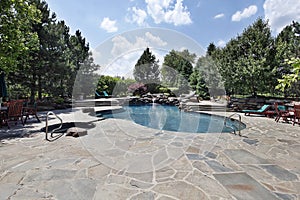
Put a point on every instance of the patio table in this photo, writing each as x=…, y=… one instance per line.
x=289, y=106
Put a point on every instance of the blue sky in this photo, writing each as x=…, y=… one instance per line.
x=203, y=21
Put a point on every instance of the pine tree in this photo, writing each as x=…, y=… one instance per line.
x=147, y=69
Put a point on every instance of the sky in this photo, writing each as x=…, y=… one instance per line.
x=118, y=30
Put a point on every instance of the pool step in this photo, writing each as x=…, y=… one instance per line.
x=197, y=107
x=97, y=102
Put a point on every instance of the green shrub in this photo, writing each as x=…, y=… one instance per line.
x=58, y=100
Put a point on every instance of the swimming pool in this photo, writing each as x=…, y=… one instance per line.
x=170, y=118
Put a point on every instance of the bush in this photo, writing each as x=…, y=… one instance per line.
x=137, y=89
x=58, y=100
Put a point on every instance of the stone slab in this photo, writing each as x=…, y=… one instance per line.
x=280, y=172
x=217, y=167
x=244, y=187
x=7, y=190
x=192, y=156
x=180, y=190
x=241, y=156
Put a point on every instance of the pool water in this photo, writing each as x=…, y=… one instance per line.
x=170, y=118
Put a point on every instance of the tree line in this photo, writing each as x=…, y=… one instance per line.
x=40, y=58
x=38, y=54
x=253, y=63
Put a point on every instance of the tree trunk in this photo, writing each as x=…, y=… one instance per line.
x=61, y=87
x=39, y=87
x=33, y=88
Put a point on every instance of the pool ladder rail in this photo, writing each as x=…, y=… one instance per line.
x=52, y=137
x=231, y=127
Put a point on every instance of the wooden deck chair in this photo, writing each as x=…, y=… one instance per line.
x=14, y=112
x=30, y=110
x=282, y=112
x=296, y=119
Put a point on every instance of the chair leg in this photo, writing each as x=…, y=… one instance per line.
x=37, y=118
x=22, y=120
x=26, y=117
x=8, y=126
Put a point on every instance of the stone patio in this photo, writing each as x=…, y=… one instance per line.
x=122, y=160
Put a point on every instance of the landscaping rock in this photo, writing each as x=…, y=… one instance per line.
x=76, y=132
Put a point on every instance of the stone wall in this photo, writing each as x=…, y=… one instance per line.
x=253, y=103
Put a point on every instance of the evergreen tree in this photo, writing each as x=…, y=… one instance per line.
x=287, y=48
x=197, y=84
x=177, y=65
x=247, y=62
x=16, y=36
x=146, y=69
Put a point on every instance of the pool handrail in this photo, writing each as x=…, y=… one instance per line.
x=240, y=121
x=51, y=133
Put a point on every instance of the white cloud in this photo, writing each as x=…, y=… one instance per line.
x=123, y=65
x=247, y=12
x=221, y=43
x=109, y=25
x=281, y=13
x=122, y=45
x=156, y=9
x=127, y=53
x=156, y=40
x=168, y=12
x=221, y=15
x=179, y=15
x=137, y=16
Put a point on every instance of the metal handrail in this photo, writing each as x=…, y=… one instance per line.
x=240, y=121
x=51, y=133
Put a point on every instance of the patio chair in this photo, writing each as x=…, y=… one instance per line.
x=102, y=95
x=14, y=113
x=30, y=110
x=282, y=112
x=264, y=110
x=296, y=119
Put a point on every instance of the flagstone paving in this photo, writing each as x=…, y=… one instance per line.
x=118, y=159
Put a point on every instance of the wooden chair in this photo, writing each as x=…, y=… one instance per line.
x=296, y=119
x=14, y=112
x=30, y=110
x=282, y=112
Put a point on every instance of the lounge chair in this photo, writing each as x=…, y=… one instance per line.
x=103, y=94
x=264, y=110
x=283, y=113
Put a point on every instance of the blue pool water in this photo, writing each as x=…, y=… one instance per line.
x=170, y=118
